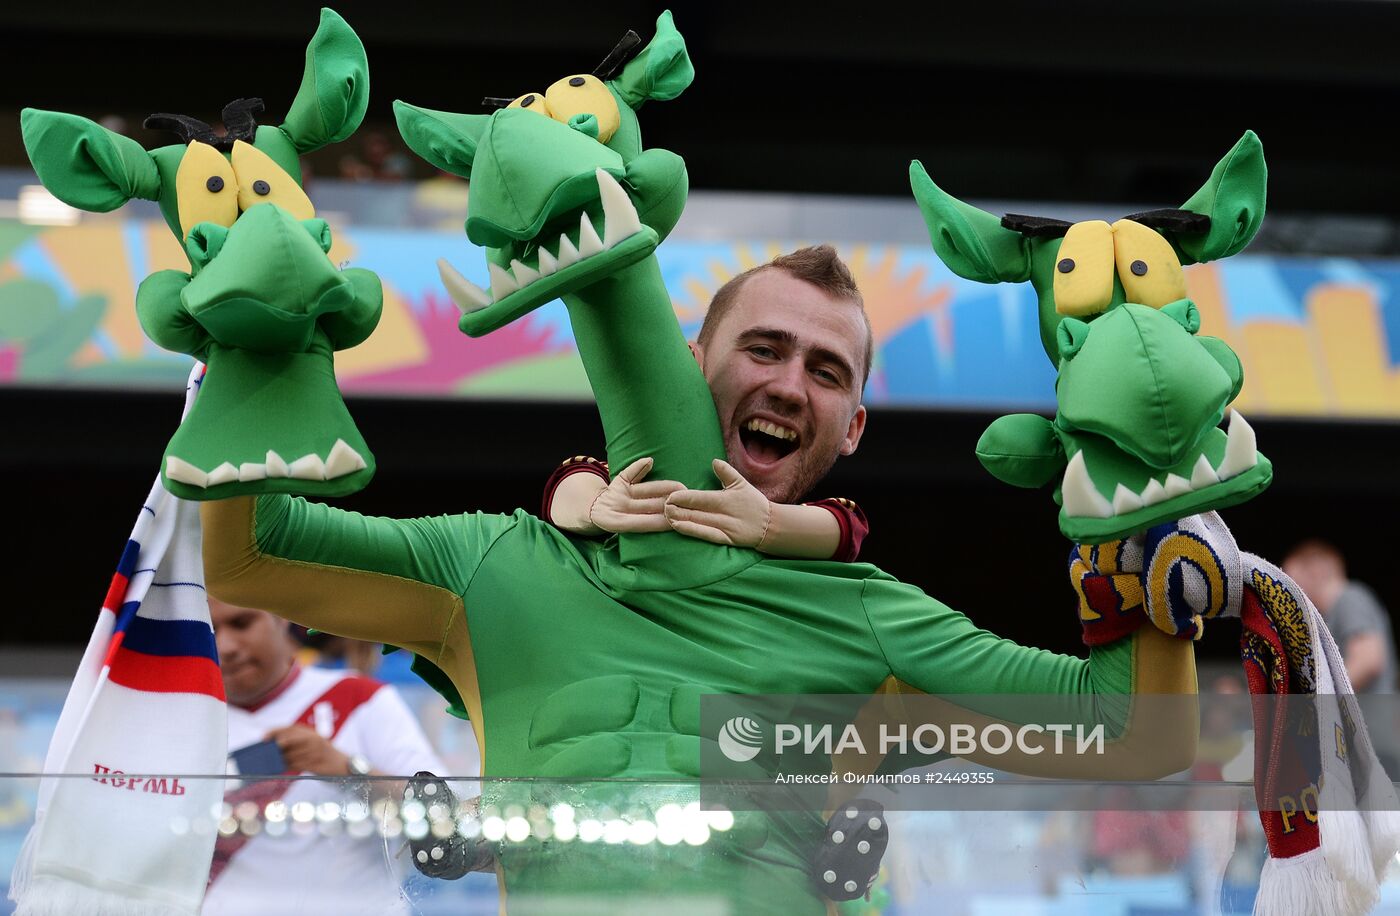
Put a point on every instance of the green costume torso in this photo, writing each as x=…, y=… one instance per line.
x=586, y=660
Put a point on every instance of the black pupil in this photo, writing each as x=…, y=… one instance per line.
x=1139, y=268
x=577, y=81
x=1066, y=265
x=261, y=187
x=527, y=101
x=215, y=183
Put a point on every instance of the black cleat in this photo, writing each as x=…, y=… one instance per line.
x=848, y=860
x=452, y=856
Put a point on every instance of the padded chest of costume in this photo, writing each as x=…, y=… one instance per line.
x=549, y=706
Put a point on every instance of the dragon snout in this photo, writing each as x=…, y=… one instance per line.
x=1139, y=377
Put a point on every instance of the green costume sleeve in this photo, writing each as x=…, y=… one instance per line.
x=933, y=649
x=399, y=582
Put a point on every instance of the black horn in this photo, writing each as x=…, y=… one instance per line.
x=183, y=126
x=626, y=50
x=1043, y=227
x=241, y=119
x=1173, y=220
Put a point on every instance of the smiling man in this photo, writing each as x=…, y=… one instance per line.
x=786, y=350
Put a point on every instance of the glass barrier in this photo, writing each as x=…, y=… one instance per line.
x=308, y=845
x=314, y=845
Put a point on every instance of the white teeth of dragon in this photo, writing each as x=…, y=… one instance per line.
x=524, y=274
x=1177, y=486
x=588, y=242
x=1082, y=498
x=568, y=254
x=772, y=429
x=276, y=467
x=1203, y=475
x=548, y=264
x=468, y=296
x=1125, y=501
x=1078, y=493
x=224, y=473
x=502, y=283
x=1154, y=493
x=1241, y=451
x=621, y=223
x=184, y=472
x=342, y=460
x=308, y=467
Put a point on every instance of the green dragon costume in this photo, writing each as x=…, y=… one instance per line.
x=585, y=660
x=1135, y=440
x=262, y=306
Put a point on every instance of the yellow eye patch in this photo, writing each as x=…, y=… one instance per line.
x=532, y=101
x=206, y=188
x=1147, y=265
x=1084, y=269
x=584, y=94
x=262, y=181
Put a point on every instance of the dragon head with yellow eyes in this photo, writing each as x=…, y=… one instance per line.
x=562, y=193
x=262, y=304
x=1140, y=395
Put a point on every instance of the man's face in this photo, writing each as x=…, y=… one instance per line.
x=1317, y=573
x=255, y=650
x=785, y=366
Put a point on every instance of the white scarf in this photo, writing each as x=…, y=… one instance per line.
x=147, y=701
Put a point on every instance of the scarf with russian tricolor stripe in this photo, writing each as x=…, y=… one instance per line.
x=122, y=828
x=1328, y=808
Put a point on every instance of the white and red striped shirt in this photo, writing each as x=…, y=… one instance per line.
x=306, y=870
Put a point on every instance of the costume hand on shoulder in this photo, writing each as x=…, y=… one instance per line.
x=741, y=516
x=737, y=516
x=630, y=504
x=262, y=305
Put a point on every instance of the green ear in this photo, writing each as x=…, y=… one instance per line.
x=446, y=140
x=661, y=72
x=334, y=89
x=84, y=164
x=1233, y=198
x=972, y=242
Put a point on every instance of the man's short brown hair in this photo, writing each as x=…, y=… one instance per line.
x=818, y=265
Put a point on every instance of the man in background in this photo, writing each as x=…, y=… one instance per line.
x=286, y=719
x=1361, y=628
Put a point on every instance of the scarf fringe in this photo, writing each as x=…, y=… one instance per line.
x=1305, y=886
x=1345, y=848
x=23, y=874
x=1384, y=830
x=47, y=895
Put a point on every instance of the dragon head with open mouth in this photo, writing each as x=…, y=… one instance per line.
x=1140, y=396
x=562, y=193
x=262, y=304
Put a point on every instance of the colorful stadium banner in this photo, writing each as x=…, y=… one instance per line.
x=1317, y=336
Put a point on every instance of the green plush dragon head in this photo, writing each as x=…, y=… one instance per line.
x=1135, y=440
x=562, y=193
x=262, y=303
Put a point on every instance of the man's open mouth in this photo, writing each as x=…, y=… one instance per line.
x=766, y=442
x=546, y=267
